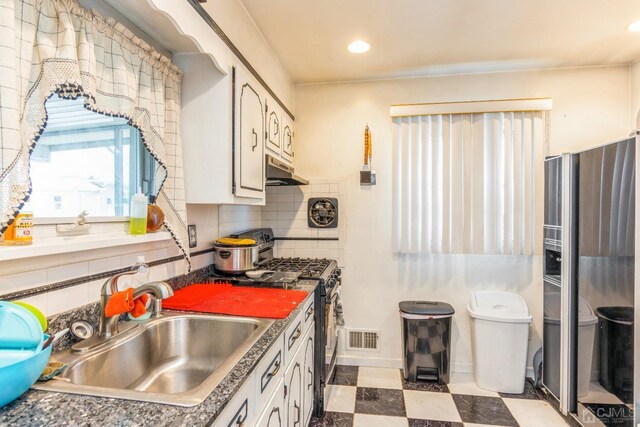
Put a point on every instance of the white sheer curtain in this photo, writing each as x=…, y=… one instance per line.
x=468, y=183
x=57, y=47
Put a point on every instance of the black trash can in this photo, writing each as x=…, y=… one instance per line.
x=426, y=339
x=616, y=351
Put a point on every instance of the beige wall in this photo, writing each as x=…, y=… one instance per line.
x=590, y=107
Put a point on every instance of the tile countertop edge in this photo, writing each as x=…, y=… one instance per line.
x=51, y=408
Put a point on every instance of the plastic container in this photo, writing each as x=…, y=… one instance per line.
x=586, y=336
x=616, y=351
x=16, y=378
x=138, y=214
x=24, y=226
x=499, y=339
x=426, y=338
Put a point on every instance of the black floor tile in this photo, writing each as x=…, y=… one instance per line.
x=380, y=401
x=483, y=410
x=529, y=392
x=611, y=415
x=433, y=423
x=345, y=375
x=333, y=419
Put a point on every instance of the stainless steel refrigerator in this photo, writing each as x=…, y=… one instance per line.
x=589, y=280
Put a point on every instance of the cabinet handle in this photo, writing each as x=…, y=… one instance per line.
x=293, y=338
x=295, y=405
x=276, y=368
x=255, y=138
x=309, y=313
x=240, y=421
x=310, y=378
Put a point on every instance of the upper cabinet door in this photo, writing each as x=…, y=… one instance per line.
x=248, y=137
x=287, y=138
x=274, y=127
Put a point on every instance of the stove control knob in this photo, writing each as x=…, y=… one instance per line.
x=337, y=272
x=331, y=283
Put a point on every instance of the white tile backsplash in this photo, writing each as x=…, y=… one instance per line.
x=286, y=212
x=67, y=271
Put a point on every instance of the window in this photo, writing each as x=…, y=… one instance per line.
x=87, y=161
x=468, y=177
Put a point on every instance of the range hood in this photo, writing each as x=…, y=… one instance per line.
x=279, y=173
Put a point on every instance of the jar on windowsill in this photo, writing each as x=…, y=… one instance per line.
x=155, y=216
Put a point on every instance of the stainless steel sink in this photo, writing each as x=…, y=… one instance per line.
x=177, y=359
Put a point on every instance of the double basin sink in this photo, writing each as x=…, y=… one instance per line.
x=176, y=359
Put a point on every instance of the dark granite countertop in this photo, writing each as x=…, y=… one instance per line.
x=43, y=408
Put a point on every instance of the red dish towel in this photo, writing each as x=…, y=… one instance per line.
x=236, y=300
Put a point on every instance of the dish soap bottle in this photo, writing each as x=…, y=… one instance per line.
x=138, y=214
x=155, y=216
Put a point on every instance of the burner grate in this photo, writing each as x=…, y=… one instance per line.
x=312, y=268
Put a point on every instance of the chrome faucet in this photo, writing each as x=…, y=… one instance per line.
x=108, y=326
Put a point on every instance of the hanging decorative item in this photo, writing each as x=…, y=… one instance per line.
x=367, y=175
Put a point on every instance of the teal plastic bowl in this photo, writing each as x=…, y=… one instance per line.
x=18, y=377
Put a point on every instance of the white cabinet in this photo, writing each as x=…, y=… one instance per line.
x=279, y=392
x=249, y=123
x=307, y=374
x=273, y=114
x=274, y=414
x=241, y=409
x=207, y=133
x=287, y=138
x=279, y=137
x=293, y=392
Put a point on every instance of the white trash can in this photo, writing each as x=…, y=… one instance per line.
x=499, y=339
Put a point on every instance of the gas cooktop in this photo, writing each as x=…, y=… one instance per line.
x=307, y=267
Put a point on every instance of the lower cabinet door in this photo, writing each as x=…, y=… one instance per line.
x=293, y=392
x=274, y=413
x=307, y=382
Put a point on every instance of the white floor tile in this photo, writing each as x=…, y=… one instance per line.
x=464, y=384
x=598, y=394
x=340, y=398
x=427, y=405
x=534, y=413
x=379, y=378
x=364, y=420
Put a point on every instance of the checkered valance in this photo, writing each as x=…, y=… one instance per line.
x=52, y=47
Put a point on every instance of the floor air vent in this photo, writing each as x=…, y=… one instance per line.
x=363, y=340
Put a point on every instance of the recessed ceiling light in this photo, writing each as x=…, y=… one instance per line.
x=358, y=46
x=634, y=27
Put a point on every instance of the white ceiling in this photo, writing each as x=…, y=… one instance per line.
x=426, y=37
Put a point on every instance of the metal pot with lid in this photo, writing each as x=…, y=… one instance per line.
x=235, y=256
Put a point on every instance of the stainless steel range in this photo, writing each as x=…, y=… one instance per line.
x=328, y=275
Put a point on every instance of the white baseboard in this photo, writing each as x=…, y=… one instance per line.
x=379, y=362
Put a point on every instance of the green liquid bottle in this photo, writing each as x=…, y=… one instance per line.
x=138, y=217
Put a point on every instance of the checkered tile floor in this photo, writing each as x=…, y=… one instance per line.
x=373, y=397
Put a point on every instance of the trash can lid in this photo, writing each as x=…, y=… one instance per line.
x=427, y=308
x=499, y=306
x=622, y=315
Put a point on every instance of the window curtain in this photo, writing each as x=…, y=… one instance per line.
x=50, y=47
x=468, y=183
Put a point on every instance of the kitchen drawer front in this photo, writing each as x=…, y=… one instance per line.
x=240, y=411
x=269, y=372
x=308, y=311
x=293, y=337
x=274, y=412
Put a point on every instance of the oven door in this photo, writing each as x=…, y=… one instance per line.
x=331, y=335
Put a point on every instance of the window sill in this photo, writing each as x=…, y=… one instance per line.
x=63, y=245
